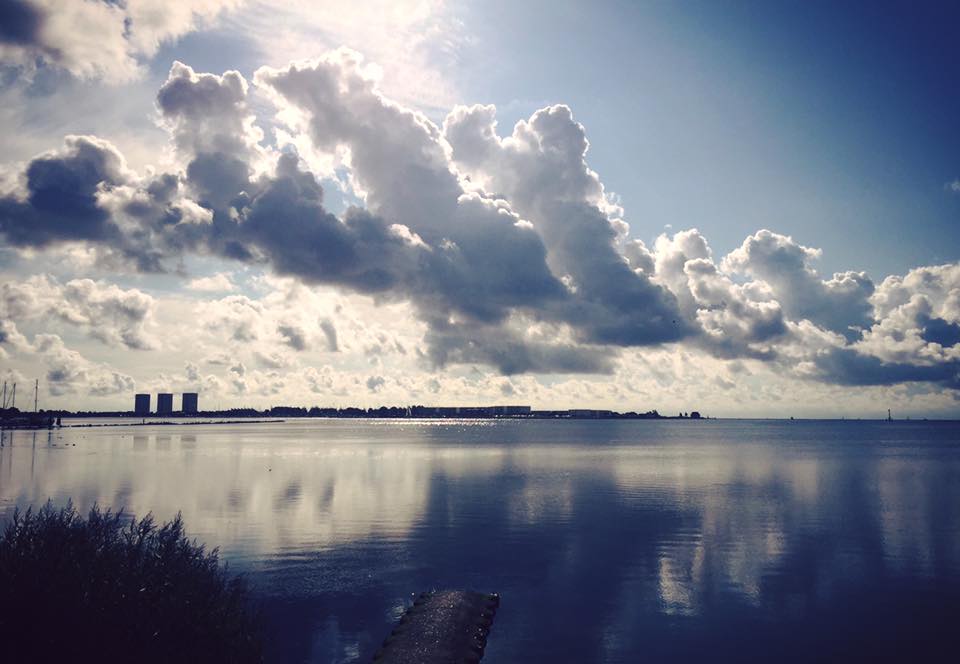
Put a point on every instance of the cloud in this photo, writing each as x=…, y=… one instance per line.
x=215, y=283
x=192, y=372
x=512, y=351
x=846, y=366
x=279, y=218
x=153, y=22
x=115, y=316
x=10, y=336
x=190, y=380
x=235, y=318
x=272, y=360
x=68, y=372
x=60, y=201
x=287, y=225
x=735, y=322
x=639, y=257
x=85, y=193
x=469, y=255
x=917, y=318
x=206, y=113
x=213, y=132
x=93, y=39
x=840, y=304
x=541, y=170
x=953, y=186
x=508, y=250
x=670, y=257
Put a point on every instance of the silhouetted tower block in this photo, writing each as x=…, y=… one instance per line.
x=189, y=402
x=141, y=404
x=164, y=403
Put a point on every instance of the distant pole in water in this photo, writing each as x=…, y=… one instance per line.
x=13, y=397
x=889, y=419
x=36, y=390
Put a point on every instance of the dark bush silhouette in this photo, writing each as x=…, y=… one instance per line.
x=107, y=589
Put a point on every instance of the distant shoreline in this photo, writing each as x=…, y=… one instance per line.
x=390, y=412
x=182, y=421
x=151, y=424
x=278, y=414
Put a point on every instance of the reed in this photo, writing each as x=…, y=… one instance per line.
x=109, y=588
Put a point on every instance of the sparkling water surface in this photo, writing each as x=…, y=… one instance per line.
x=609, y=541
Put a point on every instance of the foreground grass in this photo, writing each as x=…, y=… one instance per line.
x=105, y=589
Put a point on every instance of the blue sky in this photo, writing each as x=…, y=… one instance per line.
x=753, y=148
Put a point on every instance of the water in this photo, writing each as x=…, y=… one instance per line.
x=609, y=541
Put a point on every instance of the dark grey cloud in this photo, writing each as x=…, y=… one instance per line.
x=293, y=336
x=67, y=199
x=939, y=331
x=509, y=353
x=612, y=304
x=61, y=197
x=287, y=223
x=218, y=178
x=330, y=333
x=20, y=22
x=845, y=366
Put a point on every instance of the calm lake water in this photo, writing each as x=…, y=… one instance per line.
x=609, y=541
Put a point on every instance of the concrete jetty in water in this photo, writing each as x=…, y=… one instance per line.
x=442, y=627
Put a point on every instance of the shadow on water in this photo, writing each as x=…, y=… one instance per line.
x=609, y=541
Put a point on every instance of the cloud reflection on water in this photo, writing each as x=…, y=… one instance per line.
x=652, y=522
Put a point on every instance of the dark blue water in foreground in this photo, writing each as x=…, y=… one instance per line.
x=609, y=541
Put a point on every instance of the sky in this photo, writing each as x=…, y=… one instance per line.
x=746, y=208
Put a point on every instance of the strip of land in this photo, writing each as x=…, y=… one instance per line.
x=386, y=412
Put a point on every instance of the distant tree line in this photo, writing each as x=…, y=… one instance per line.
x=388, y=412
